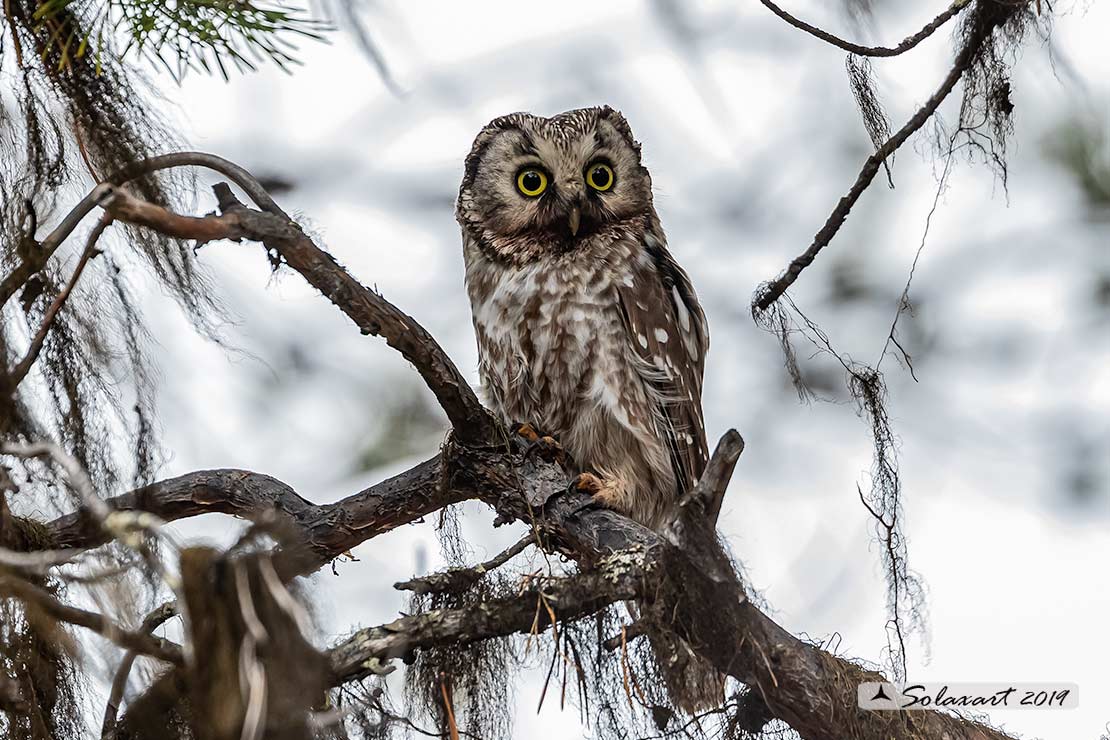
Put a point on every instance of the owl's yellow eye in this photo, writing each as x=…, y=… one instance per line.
x=531, y=182
x=600, y=176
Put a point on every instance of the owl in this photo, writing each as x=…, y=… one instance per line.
x=587, y=328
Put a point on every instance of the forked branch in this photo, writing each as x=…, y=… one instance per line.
x=328, y=530
x=872, y=51
x=771, y=291
x=369, y=310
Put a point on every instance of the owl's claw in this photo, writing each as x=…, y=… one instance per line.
x=604, y=493
x=528, y=432
x=543, y=445
x=587, y=483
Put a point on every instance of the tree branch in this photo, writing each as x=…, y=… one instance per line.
x=39, y=598
x=43, y=250
x=329, y=530
x=709, y=492
x=19, y=372
x=617, y=577
x=132, y=530
x=872, y=51
x=459, y=579
x=810, y=689
x=374, y=315
x=369, y=310
x=151, y=622
x=771, y=291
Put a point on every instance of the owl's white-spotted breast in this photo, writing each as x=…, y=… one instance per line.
x=587, y=327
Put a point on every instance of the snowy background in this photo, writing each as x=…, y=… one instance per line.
x=751, y=134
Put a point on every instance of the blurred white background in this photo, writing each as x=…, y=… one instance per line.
x=751, y=134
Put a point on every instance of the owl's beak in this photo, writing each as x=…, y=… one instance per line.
x=574, y=218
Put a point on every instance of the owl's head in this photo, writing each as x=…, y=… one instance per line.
x=537, y=185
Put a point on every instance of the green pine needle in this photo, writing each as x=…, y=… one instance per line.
x=178, y=36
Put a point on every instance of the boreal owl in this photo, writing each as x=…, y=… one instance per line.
x=587, y=327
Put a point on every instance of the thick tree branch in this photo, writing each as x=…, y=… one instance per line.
x=617, y=577
x=810, y=689
x=872, y=51
x=369, y=310
x=329, y=530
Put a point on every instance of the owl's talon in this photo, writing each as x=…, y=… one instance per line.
x=552, y=450
x=542, y=445
x=528, y=432
x=604, y=492
x=587, y=483
x=608, y=498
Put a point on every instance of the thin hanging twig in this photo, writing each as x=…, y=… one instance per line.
x=19, y=372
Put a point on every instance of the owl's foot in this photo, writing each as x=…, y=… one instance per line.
x=605, y=492
x=543, y=445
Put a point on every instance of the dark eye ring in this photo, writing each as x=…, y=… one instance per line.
x=600, y=177
x=531, y=182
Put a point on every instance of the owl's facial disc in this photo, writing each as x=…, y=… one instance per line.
x=537, y=186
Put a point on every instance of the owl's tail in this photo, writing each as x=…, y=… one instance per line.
x=693, y=684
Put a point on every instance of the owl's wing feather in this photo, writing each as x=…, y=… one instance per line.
x=667, y=330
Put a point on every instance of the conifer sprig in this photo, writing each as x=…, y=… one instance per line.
x=204, y=35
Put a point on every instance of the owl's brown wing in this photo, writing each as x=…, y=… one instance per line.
x=667, y=329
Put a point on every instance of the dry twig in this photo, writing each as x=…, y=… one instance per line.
x=873, y=51
x=771, y=291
